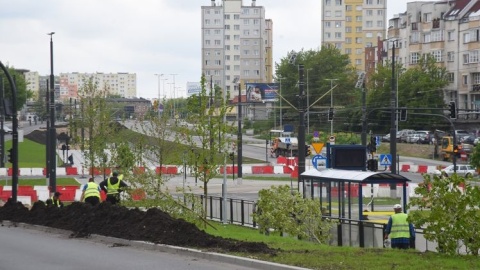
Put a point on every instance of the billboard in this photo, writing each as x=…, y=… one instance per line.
x=193, y=88
x=262, y=92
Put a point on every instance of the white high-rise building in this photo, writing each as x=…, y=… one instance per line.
x=236, y=43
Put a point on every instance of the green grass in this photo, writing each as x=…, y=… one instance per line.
x=316, y=256
x=30, y=154
x=40, y=182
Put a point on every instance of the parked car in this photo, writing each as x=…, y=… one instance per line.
x=463, y=170
x=386, y=138
x=475, y=142
x=412, y=138
x=427, y=138
x=7, y=130
x=469, y=139
x=403, y=134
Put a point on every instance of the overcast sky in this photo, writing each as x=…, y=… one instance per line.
x=138, y=36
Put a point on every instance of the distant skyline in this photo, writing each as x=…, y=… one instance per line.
x=145, y=37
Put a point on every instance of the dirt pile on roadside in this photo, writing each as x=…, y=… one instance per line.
x=133, y=224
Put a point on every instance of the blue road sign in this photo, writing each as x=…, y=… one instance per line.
x=385, y=159
x=319, y=160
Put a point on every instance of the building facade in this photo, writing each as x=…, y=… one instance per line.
x=236, y=44
x=450, y=32
x=67, y=85
x=353, y=25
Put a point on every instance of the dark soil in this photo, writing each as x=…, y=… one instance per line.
x=133, y=224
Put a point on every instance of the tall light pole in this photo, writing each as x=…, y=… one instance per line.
x=331, y=102
x=53, y=131
x=281, y=116
x=159, y=76
x=173, y=77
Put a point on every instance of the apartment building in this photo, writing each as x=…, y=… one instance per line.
x=450, y=31
x=353, y=25
x=67, y=85
x=236, y=44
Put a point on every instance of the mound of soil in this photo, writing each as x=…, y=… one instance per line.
x=133, y=224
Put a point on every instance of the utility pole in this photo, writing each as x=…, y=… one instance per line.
x=308, y=104
x=239, y=134
x=301, y=126
x=159, y=76
x=53, y=131
x=174, y=113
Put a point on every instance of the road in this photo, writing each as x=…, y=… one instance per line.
x=25, y=249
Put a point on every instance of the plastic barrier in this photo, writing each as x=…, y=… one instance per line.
x=95, y=171
x=405, y=168
x=262, y=169
x=282, y=161
x=287, y=169
x=422, y=168
x=10, y=172
x=68, y=195
x=31, y=193
x=138, y=194
x=138, y=170
x=71, y=170
x=172, y=170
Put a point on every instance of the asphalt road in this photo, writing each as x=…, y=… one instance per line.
x=25, y=249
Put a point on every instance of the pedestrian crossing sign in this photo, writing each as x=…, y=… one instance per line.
x=385, y=159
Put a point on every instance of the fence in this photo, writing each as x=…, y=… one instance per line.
x=348, y=232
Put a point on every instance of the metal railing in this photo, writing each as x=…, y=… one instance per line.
x=348, y=232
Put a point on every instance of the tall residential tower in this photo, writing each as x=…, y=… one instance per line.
x=353, y=25
x=236, y=43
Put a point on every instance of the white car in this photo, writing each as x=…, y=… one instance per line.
x=463, y=170
x=7, y=130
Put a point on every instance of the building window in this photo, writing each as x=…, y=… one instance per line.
x=246, y=72
x=369, y=12
x=207, y=11
x=227, y=57
x=427, y=17
x=358, y=40
x=246, y=32
x=348, y=8
x=236, y=47
x=348, y=40
x=369, y=35
x=369, y=23
x=465, y=79
x=369, y=2
x=207, y=42
x=328, y=35
x=473, y=57
x=476, y=78
x=207, y=52
x=338, y=13
x=414, y=38
x=359, y=7
x=426, y=38
x=437, y=36
x=256, y=21
x=328, y=13
x=338, y=2
x=380, y=12
x=216, y=21
x=227, y=47
x=450, y=35
x=207, y=21
x=227, y=27
x=246, y=52
x=358, y=29
x=414, y=58
x=236, y=67
x=236, y=37
x=348, y=51
x=246, y=21
x=450, y=56
x=236, y=27
x=217, y=32
x=358, y=18
x=466, y=37
x=358, y=62
x=348, y=29
x=358, y=51
x=328, y=2
x=451, y=77
x=327, y=24
x=380, y=23
x=227, y=16
x=338, y=35
x=217, y=53
x=255, y=32
x=348, y=18
x=246, y=11
x=236, y=17
x=338, y=24
x=256, y=11
x=217, y=42
x=438, y=55
x=256, y=52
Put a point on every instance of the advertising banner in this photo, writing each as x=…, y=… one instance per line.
x=193, y=88
x=262, y=92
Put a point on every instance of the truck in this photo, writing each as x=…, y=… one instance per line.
x=448, y=149
x=283, y=144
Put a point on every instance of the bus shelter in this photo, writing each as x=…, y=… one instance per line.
x=341, y=192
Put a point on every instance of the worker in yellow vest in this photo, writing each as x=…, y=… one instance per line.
x=401, y=232
x=91, y=192
x=113, y=186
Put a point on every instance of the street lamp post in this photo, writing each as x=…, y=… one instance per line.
x=281, y=115
x=331, y=102
x=53, y=131
x=159, y=76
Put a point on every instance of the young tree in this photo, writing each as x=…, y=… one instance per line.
x=207, y=138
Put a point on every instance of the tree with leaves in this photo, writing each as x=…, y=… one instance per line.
x=447, y=210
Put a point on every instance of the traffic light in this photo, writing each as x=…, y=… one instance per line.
x=231, y=155
x=456, y=150
x=373, y=144
x=330, y=114
x=403, y=114
x=10, y=155
x=453, y=110
x=308, y=152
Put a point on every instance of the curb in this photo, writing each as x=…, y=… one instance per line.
x=212, y=256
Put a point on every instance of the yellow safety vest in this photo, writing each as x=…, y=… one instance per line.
x=92, y=190
x=400, y=226
x=55, y=202
x=112, y=189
